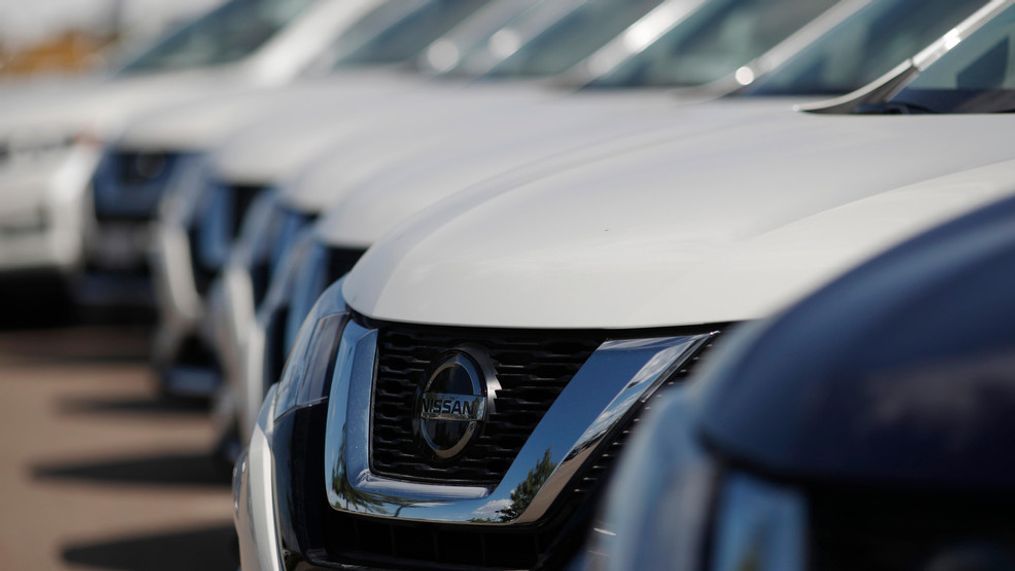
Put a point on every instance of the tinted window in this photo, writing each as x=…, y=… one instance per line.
x=713, y=42
x=224, y=35
x=866, y=46
x=977, y=76
x=573, y=38
x=399, y=30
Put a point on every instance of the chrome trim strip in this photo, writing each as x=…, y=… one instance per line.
x=617, y=376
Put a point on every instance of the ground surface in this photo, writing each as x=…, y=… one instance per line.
x=95, y=471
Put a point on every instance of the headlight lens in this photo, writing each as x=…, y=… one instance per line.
x=33, y=148
x=307, y=372
x=311, y=280
x=760, y=526
x=657, y=506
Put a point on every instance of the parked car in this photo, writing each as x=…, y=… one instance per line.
x=469, y=144
x=186, y=261
x=370, y=205
x=173, y=138
x=863, y=428
x=464, y=389
x=188, y=252
x=51, y=134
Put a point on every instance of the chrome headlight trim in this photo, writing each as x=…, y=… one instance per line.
x=614, y=380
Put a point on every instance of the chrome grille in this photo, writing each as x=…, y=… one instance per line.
x=532, y=369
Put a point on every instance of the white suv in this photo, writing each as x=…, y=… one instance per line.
x=459, y=397
x=381, y=197
x=50, y=136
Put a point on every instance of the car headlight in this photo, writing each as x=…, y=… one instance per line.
x=658, y=511
x=35, y=147
x=760, y=526
x=307, y=373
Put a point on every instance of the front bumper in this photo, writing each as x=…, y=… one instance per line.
x=254, y=499
x=42, y=212
x=230, y=322
x=180, y=355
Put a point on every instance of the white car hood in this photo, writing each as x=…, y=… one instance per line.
x=273, y=149
x=203, y=124
x=365, y=209
x=466, y=140
x=715, y=228
x=102, y=107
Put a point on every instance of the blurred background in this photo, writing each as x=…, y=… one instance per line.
x=70, y=36
x=97, y=471
x=157, y=155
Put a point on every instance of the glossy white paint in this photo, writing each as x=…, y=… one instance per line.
x=478, y=140
x=42, y=212
x=272, y=150
x=70, y=117
x=200, y=125
x=579, y=128
x=722, y=226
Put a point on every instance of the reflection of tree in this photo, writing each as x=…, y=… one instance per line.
x=523, y=495
x=358, y=500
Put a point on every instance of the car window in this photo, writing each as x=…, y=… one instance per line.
x=573, y=38
x=224, y=35
x=976, y=76
x=865, y=46
x=713, y=42
x=400, y=29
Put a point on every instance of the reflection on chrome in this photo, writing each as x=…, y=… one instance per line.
x=614, y=380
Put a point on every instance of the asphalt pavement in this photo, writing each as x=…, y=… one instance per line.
x=97, y=472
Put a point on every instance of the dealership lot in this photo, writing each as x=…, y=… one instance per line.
x=111, y=477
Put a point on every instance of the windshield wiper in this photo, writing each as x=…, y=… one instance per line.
x=892, y=108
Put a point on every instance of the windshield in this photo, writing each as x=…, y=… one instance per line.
x=572, y=38
x=399, y=29
x=224, y=35
x=977, y=76
x=865, y=46
x=713, y=42
x=445, y=54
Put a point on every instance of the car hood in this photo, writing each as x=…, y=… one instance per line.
x=101, y=107
x=271, y=150
x=553, y=135
x=200, y=125
x=472, y=138
x=718, y=227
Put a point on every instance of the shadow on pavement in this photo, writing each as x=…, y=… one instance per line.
x=202, y=549
x=77, y=345
x=167, y=469
x=128, y=406
x=38, y=301
x=34, y=302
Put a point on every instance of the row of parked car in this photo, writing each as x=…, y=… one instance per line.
x=438, y=262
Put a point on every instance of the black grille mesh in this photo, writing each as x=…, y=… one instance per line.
x=548, y=544
x=532, y=368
